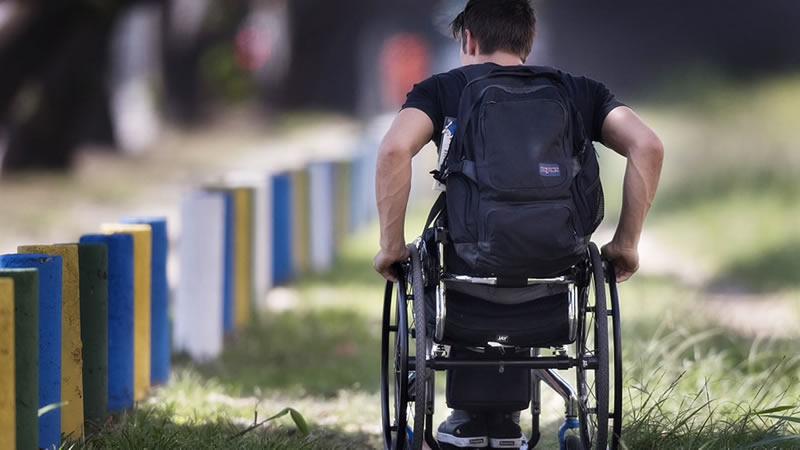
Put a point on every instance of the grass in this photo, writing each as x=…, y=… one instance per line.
x=687, y=385
x=728, y=203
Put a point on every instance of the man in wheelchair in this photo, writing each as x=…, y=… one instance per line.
x=505, y=267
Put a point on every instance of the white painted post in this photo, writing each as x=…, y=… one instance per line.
x=199, y=300
x=321, y=216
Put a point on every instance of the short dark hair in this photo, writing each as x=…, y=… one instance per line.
x=508, y=25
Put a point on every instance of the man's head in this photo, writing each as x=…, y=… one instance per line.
x=489, y=26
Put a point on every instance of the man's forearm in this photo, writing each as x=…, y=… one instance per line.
x=392, y=188
x=642, y=173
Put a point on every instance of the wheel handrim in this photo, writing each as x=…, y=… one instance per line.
x=616, y=417
x=394, y=426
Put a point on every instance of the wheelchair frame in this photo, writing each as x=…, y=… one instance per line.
x=412, y=377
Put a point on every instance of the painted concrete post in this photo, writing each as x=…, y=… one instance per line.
x=229, y=261
x=159, y=298
x=371, y=161
x=243, y=251
x=8, y=419
x=281, y=228
x=142, y=249
x=93, y=267
x=261, y=183
x=49, y=369
x=26, y=356
x=120, y=317
x=343, y=206
x=300, y=221
x=199, y=299
x=71, y=345
x=357, y=195
x=321, y=215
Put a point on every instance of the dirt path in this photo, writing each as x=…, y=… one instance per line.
x=732, y=307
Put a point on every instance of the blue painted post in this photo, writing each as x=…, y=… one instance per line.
x=159, y=298
x=281, y=228
x=229, y=286
x=49, y=267
x=120, y=317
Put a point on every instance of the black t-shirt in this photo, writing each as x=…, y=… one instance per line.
x=438, y=97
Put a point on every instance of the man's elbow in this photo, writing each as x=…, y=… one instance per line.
x=649, y=147
x=393, y=150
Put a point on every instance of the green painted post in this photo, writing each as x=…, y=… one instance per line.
x=93, y=262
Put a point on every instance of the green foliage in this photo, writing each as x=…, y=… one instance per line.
x=222, y=75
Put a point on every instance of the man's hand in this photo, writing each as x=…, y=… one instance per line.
x=384, y=261
x=625, y=259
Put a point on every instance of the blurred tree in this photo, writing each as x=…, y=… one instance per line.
x=53, y=91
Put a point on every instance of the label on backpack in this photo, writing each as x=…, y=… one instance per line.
x=549, y=170
x=447, y=137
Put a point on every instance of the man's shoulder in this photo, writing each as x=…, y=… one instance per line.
x=457, y=75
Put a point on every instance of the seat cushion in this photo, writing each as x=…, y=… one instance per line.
x=472, y=321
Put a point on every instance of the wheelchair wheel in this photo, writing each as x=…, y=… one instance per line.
x=400, y=383
x=394, y=367
x=592, y=350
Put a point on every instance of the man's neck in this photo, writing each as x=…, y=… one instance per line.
x=500, y=58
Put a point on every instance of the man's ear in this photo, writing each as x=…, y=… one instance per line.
x=470, y=44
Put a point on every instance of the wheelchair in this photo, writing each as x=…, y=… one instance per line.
x=419, y=337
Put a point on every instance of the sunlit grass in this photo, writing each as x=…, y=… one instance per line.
x=687, y=384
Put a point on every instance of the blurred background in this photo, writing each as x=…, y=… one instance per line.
x=118, y=106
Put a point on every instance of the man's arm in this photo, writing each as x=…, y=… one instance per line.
x=625, y=133
x=409, y=132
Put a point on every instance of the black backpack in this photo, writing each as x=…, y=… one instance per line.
x=523, y=192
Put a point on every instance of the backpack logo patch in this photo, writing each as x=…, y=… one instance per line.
x=549, y=170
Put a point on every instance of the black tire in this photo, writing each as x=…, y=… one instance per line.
x=394, y=335
x=616, y=414
x=423, y=375
x=573, y=442
x=593, y=344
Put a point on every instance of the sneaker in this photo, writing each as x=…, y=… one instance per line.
x=504, y=432
x=469, y=434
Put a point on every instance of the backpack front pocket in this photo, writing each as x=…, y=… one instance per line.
x=528, y=240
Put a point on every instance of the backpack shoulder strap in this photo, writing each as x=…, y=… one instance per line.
x=438, y=206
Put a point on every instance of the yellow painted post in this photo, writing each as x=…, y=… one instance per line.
x=8, y=422
x=243, y=259
x=142, y=241
x=71, y=344
x=300, y=201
